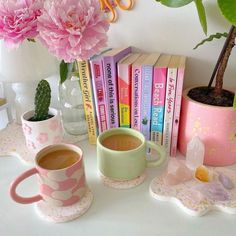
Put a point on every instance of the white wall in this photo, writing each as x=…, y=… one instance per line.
x=153, y=27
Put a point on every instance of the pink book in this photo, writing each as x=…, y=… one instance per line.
x=169, y=101
x=158, y=97
x=110, y=60
x=178, y=97
x=136, y=88
x=99, y=92
x=124, y=68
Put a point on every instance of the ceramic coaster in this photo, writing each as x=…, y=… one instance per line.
x=63, y=214
x=187, y=195
x=122, y=184
x=12, y=142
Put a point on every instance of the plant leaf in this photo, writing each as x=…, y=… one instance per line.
x=201, y=15
x=63, y=71
x=175, y=3
x=228, y=9
x=211, y=37
x=234, y=104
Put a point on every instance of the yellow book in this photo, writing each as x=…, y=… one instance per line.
x=89, y=108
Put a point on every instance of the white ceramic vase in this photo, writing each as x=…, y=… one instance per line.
x=39, y=134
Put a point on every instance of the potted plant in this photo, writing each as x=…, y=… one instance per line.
x=208, y=111
x=42, y=125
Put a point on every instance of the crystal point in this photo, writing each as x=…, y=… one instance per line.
x=213, y=191
x=226, y=181
x=177, y=172
x=195, y=153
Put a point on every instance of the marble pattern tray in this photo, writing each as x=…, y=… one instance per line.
x=12, y=142
x=184, y=194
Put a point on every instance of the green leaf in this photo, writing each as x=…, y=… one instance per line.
x=201, y=15
x=175, y=3
x=234, y=104
x=63, y=71
x=211, y=37
x=228, y=9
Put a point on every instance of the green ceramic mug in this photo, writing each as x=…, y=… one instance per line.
x=121, y=153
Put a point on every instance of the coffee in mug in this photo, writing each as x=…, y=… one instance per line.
x=121, y=142
x=59, y=159
x=61, y=176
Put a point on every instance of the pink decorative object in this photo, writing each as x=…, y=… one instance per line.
x=38, y=133
x=42, y=138
x=18, y=21
x=57, y=188
x=27, y=129
x=198, y=198
x=177, y=172
x=54, y=124
x=73, y=29
x=215, y=126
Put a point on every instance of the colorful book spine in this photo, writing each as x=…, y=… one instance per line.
x=178, y=97
x=158, y=104
x=124, y=75
x=110, y=78
x=89, y=108
x=169, y=104
x=124, y=89
x=99, y=93
x=136, y=96
x=146, y=97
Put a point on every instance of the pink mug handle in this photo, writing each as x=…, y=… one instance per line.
x=20, y=178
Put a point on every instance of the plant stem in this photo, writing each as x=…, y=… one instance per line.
x=224, y=62
x=222, y=55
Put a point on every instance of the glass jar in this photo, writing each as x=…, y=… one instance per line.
x=72, y=107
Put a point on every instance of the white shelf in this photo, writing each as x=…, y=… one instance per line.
x=113, y=212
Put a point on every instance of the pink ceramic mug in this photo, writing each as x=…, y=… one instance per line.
x=58, y=187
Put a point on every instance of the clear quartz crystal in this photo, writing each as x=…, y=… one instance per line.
x=195, y=153
x=72, y=108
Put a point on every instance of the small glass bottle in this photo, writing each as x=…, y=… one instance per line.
x=72, y=108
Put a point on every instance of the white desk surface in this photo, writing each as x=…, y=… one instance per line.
x=113, y=212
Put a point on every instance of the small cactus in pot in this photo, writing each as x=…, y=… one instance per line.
x=42, y=101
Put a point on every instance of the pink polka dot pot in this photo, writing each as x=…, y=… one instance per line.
x=39, y=134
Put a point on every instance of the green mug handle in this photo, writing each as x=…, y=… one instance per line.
x=161, y=151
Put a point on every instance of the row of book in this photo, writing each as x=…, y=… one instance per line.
x=142, y=91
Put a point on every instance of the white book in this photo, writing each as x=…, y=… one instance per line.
x=170, y=102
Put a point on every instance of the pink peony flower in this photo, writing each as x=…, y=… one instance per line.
x=18, y=20
x=73, y=29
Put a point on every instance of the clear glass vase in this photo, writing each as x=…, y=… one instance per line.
x=72, y=108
